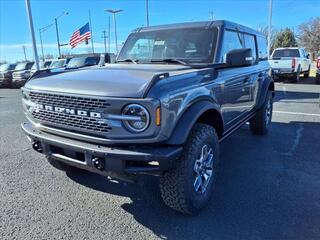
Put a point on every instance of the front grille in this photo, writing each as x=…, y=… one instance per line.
x=65, y=120
x=83, y=103
x=75, y=122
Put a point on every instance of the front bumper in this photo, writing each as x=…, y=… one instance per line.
x=5, y=82
x=119, y=162
x=18, y=81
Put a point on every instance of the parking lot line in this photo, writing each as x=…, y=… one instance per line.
x=298, y=113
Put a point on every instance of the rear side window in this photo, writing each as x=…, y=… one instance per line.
x=283, y=53
x=262, y=48
x=231, y=40
x=251, y=43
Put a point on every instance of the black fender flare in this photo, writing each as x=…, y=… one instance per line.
x=188, y=119
x=267, y=84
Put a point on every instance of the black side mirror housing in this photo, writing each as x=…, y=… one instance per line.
x=240, y=57
x=308, y=56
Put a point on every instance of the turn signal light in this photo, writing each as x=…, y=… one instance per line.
x=158, y=116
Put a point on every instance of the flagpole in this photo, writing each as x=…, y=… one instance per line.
x=91, y=31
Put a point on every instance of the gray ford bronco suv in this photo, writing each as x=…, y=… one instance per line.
x=175, y=92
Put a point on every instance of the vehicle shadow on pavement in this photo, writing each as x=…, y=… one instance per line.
x=295, y=96
x=268, y=188
x=309, y=80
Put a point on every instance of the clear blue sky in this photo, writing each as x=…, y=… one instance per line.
x=14, y=29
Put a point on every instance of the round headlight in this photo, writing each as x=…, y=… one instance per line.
x=140, y=118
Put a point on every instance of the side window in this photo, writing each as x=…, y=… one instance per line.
x=251, y=43
x=29, y=65
x=231, y=40
x=262, y=48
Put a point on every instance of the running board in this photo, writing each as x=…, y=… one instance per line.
x=234, y=128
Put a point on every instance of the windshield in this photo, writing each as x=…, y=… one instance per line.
x=283, y=53
x=6, y=67
x=190, y=45
x=57, y=64
x=41, y=65
x=21, y=66
x=83, y=61
x=76, y=62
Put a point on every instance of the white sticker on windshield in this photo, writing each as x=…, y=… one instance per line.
x=158, y=42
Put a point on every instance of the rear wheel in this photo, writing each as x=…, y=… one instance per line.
x=296, y=76
x=259, y=124
x=62, y=166
x=318, y=79
x=188, y=187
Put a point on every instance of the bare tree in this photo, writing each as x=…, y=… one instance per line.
x=264, y=30
x=309, y=35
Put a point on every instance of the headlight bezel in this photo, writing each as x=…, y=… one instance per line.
x=128, y=123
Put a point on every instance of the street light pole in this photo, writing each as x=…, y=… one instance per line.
x=41, y=30
x=109, y=34
x=34, y=45
x=269, y=28
x=147, y=12
x=114, y=12
x=57, y=31
x=41, y=44
x=24, y=52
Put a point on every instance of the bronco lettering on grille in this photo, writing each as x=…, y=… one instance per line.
x=67, y=111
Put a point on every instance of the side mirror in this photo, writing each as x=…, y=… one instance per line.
x=240, y=57
x=308, y=55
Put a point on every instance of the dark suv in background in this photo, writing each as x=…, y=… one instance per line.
x=21, y=74
x=6, y=71
x=174, y=94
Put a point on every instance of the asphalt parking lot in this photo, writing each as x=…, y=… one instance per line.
x=268, y=186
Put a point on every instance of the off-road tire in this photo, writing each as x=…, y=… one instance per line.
x=296, y=76
x=259, y=124
x=62, y=166
x=177, y=185
x=307, y=74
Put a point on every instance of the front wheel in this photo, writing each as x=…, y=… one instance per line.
x=259, y=124
x=188, y=187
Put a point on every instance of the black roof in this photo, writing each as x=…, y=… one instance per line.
x=204, y=24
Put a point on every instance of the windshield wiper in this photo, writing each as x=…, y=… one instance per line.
x=135, y=61
x=170, y=60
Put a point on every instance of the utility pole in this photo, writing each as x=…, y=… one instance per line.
x=147, y=12
x=34, y=45
x=91, y=31
x=269, y=28
x=114, y=12
x=24, y=52
x=104, y=40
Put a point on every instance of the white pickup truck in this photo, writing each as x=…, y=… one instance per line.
x=290, y=62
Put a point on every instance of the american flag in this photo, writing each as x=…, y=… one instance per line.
x=82, y=34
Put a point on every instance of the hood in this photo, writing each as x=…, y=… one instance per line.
x=114, y=80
